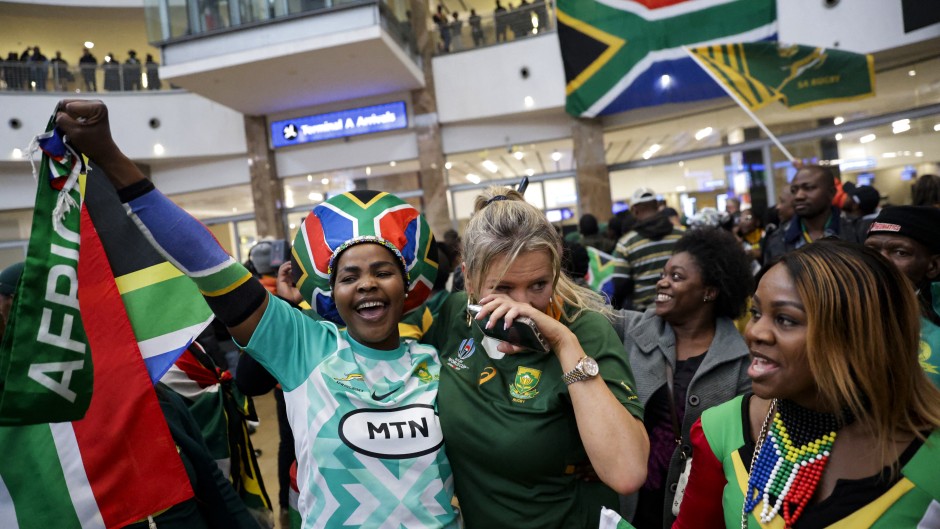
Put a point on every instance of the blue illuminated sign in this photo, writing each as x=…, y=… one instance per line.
x=365, y=120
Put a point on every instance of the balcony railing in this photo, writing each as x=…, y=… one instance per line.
x=46, y=76
x=172, y=20
x=469, y=32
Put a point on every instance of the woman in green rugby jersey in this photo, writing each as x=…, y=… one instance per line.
x=523, y=428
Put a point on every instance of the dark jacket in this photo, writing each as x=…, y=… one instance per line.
x=790, y=235
x=655, y=227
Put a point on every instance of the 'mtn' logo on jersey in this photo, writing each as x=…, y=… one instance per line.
x=400, y=433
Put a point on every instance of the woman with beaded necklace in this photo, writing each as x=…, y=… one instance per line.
x=842, y=427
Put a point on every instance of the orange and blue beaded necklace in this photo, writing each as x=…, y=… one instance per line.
x=789, y=459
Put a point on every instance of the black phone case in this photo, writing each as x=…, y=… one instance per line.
x=523, y=332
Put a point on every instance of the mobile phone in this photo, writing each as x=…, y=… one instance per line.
x=523, y=332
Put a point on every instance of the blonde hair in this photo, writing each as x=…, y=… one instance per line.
x=863, y=338
x=504, y=224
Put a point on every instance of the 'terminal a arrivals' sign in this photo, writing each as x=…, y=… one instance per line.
x=365, y=120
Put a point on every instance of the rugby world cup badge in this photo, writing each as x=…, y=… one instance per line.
x=523, y=388
x=465, y=351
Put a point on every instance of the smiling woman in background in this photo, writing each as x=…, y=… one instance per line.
x=842, y=428
x=687, y=356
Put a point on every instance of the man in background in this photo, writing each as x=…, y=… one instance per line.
x=813, y=189
x=646, y=247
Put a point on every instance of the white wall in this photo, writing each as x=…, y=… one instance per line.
x=669, y=178
x=863, y=26
x=487, y=82
x=193, y=131
x=355, y=151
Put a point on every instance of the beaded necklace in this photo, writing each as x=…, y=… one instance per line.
x=789, y=458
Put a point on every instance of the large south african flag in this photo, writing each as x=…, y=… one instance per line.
x=625, y=54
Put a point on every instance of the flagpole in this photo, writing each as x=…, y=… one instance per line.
x=742, y=105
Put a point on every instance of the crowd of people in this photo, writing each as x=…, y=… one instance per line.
x=519, y=396
x=511, y=22
x=32, y=71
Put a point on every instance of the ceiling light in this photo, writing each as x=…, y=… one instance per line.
x=448, y=166
x=681, y=188
x=901, y=125
x=518, y=155
x=889, y=155
x=654, y=148
x=234, y=210
x=490, y=166
x=325, y=181
x=368, y=170
x=292, y=225
x=556, y=155
x=529, y=172
x=158, y=149
x=912, y=73
x=919, y=154
x=310, y=178
x=936, y=128
x=839, y=137
x=17, y=153
x=528, y=102
x=704, y=133
x=473, y=178
x=89, y=44
x=838, y=120
x=665, y=81
x=391, y=163
x=315, y=197
x=868, y=138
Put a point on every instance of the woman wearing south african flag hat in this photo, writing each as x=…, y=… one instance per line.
x=362, y=405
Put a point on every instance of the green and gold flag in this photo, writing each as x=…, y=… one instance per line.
x=798, y=76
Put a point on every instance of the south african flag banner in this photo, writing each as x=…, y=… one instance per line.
x=624, y=54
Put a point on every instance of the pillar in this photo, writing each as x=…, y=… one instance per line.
x=267, y=193
x=592, y=179
x=427, y=129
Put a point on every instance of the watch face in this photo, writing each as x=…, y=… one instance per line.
x=589, y=366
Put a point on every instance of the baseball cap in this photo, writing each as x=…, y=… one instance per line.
x=643, y=195
x=867, y=197
x=9, y=277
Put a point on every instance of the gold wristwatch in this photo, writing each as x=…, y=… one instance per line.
x=585, y=369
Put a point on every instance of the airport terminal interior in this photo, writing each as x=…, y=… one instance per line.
x=247, y=113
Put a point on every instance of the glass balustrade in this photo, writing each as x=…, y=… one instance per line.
x=110, y=76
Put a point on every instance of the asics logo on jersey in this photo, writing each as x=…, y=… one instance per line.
x=400, y=433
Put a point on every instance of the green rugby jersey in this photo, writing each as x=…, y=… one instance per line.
x=366, y=432
x=510, y=428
